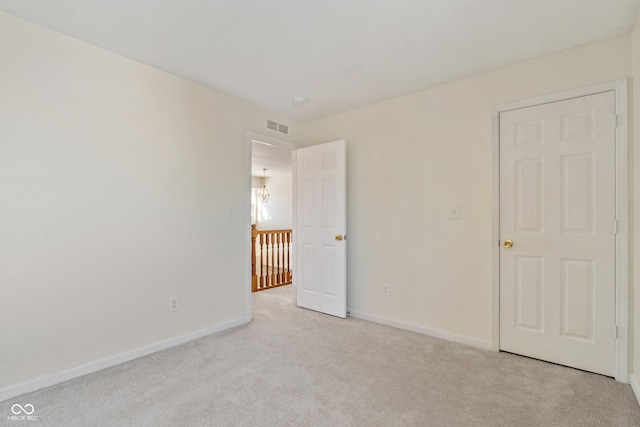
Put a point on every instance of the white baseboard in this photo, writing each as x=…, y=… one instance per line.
x=58, y=377
x=486, y=345
x=635, y=386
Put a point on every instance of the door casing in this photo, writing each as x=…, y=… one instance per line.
x=620, y=87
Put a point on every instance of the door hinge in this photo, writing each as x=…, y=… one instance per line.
x=615, y=226
x=616, y=332
x=616, y=120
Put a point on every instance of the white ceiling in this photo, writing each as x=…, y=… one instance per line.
x=338, y=54
x=276, y=160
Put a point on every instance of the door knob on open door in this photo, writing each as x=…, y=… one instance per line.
x=508, y=243
x=339, y=237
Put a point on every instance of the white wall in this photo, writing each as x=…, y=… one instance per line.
x=116, y=178
x=634, y=262
x=277, y=213
x=256, y=182
x=410, y=159
x=115, y=183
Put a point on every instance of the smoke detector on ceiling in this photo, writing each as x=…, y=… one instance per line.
x=299, y=101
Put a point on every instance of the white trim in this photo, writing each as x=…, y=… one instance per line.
x=485, y=345
x=495, y=229
x=622, y=187
x=250, y=138
x=294, y=215
x=248, y=246
x=98, y=365
x=622, y=236
x=635, y=387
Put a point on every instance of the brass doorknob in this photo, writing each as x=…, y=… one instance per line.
x=508, y=243
x=339, y=237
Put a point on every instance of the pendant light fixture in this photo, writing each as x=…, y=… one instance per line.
x=264, y=193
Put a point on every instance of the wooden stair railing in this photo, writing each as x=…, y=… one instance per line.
x=270, y=258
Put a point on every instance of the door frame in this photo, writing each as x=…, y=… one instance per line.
x=250, y=137
x=620, y=88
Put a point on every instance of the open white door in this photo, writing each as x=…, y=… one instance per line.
x=321, y=222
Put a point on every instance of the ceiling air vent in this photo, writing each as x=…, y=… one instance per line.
x=283, y=128
x=278, y=127
x=272, y=125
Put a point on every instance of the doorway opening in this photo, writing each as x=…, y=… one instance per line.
x=319, y=220
x=270, y=243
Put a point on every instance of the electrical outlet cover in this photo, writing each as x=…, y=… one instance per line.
x=386, y=290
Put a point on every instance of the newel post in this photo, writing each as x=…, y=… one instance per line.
x=254, y=277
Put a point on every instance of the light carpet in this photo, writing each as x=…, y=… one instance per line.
x=294, y=367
